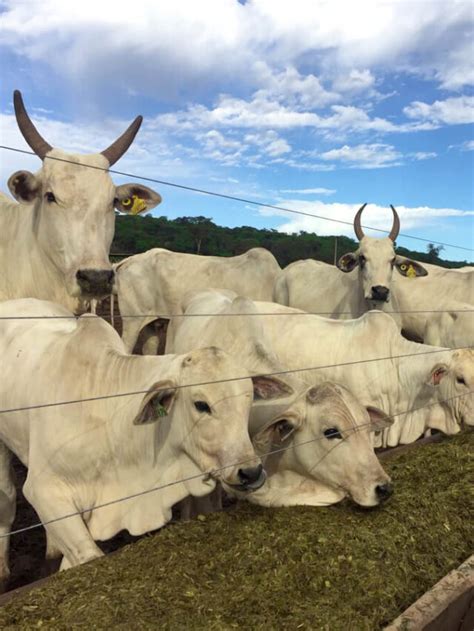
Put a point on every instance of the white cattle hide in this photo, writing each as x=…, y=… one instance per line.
x=442, y=290
x=452, y=325
x=310, y=470
x=81, y=455
x=157, y=282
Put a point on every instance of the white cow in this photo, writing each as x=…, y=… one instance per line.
x=54, y=243
x=156, y=282
x=93, y=452
x=319, y=287
x=421, y=304
x=452, y=325
x=428, y=388
x=308, y=426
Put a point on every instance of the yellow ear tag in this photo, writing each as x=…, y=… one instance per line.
x=126, y=202
x=139, y=205
x=411, y=272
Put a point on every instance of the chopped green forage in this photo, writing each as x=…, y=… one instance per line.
x=339, y=567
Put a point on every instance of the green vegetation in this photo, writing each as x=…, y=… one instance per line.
x=200, y=235
x=335, y=569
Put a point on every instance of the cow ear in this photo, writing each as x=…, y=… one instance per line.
x=378, y=419
x=157, y=403
x=24, y=186
x=270, y=388
x=409, y=268
x=275, y=433
x=135, y=199
x=437, y=374
x=347, y=262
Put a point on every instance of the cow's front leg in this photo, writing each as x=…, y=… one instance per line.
x=52, y=500
x=7, y=511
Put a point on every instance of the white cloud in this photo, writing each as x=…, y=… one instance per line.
x=296, y=89
x=355, y=81
x=269, y=142
x=452, y=111
x=467, y=145
x=215, y=146
x=221, y=43
x=262, y=113
x=375, y=216
x=374, y=156
x=309, y=191
x=423, y=155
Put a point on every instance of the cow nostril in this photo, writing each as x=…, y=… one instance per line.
x=250, y=475
x=379, y=292
x=384, y=491
x=95, y=282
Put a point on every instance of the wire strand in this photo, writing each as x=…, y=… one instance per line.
x=164, y=316
x=227, y=380
x=207, y=474
x=233, y=198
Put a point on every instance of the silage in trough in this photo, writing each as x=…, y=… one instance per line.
x=336, y=568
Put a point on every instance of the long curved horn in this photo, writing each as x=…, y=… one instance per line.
x=29, y=131
x=120, y=146
x=357, y=227
x=396, y=225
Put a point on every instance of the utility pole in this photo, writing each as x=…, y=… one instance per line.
x=335, y=250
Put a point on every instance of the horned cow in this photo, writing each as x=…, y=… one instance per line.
x=55, y=239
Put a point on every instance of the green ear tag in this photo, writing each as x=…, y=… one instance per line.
x=159, y=410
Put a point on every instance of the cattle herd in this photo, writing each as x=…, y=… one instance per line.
x=274, y=386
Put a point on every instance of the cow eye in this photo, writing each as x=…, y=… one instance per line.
x=49, y=197
x=461, y=380
x=332, y=432
x=201, y=406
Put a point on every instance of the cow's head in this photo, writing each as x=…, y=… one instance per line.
x=74, y=199
x=454, y=380
x=328, y=436
x=211, y=424
x=376, y=260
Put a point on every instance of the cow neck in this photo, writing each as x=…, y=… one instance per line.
x=27, y=271
x=150, y=456
x=416, y=395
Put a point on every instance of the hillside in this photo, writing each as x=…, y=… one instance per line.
x=201, y=235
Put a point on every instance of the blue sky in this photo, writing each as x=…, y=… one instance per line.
x=314, y=105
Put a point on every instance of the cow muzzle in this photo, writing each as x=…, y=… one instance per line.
x=95, y=283
x=383, y=491
x=380, y=293
x=374, y=494
x=250, y=479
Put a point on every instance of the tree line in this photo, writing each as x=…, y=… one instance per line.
x=200, y=235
